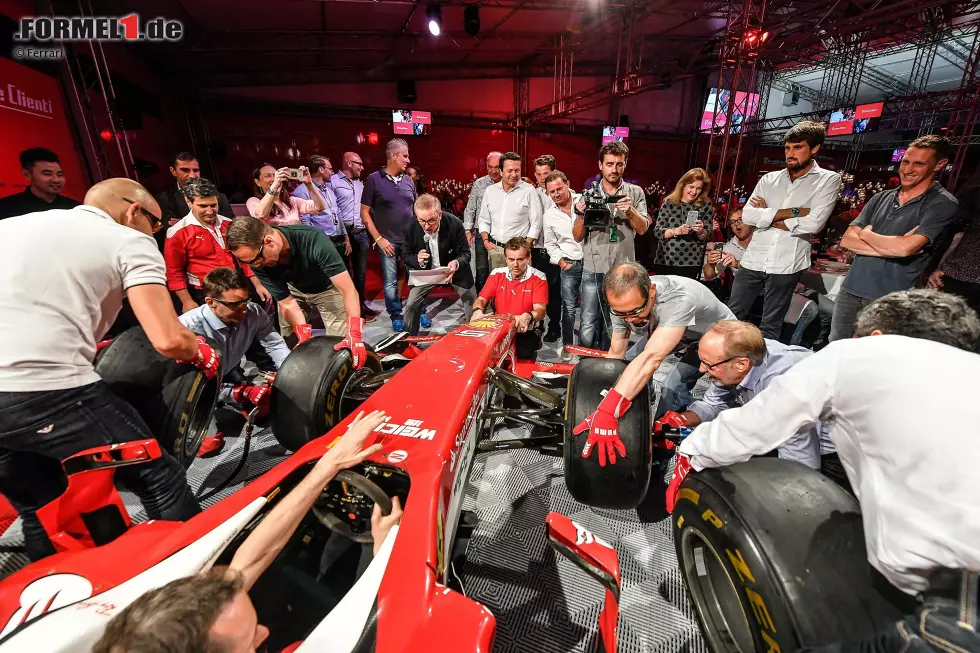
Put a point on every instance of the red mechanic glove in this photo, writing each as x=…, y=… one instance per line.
x=353, y=342
x=102, y=345
x=682, y=465
x=206, y=359
x=303, y=333
x=672, y=419
x=603, y=427
x=257, y=395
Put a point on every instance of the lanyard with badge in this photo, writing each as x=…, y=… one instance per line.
x=329, y=204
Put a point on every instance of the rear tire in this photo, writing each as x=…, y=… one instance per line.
x=772, y=554
x=309, y=395
x=616, y=487
x=176, y=400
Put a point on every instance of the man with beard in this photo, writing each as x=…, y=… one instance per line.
x=606, y=246
x=786, y=208
x=741, y=364
x=184, y=167
x=42, y=169
x=896, y=234
x=473, y=208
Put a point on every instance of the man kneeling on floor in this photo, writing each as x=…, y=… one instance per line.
x=212, y=611
x=915, y=477
x=228, y=318
x=741, y=364
x=518, y=290
x=662, y=310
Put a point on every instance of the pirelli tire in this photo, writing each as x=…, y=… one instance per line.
x=772, y=554
x=176, y=400
x=616, y=487
x=310, y=394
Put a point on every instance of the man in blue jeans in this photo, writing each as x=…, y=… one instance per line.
x=563, y=251
x=387, y=209
x=66, y=280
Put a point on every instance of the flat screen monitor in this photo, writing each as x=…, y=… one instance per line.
x=411, y=123
x=858, y=120
x=715, y=112
x=897, y=155
x=611, y=133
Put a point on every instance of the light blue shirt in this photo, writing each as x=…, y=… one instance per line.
x=348, y=192
x=328, y=219
x=235, y=339
x=807, y=445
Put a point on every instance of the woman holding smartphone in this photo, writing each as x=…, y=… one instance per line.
x=684, y=225
x=273, y=203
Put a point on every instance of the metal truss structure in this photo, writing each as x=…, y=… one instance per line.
x=963, y=118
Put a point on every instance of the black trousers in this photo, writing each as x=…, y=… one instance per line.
x=777, y=292
x=482, y=263
x=360, y=247
x=968, y=291
x=40, y=429
x=541, y=261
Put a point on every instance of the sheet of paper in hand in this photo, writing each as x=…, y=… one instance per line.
x=435, y=276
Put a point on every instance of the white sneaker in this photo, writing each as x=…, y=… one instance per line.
x=567, y=356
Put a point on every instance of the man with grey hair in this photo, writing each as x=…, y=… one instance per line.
x=926, y=314
x=436, y=239
x=473, y=204
x=915, y=479
x=195, y=245
x=386, y=210
x=661, y=311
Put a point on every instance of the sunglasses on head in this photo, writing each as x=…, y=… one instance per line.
x=155, y=222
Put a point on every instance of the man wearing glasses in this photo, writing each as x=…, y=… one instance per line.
x=66, y=280
x=661, y=311
x=228, y=318
x=741, y=364
x=348, y=187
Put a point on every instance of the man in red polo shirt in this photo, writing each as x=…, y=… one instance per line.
x=518, y=290
x=196, y=245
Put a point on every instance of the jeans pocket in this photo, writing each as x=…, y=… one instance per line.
x=938, y=627
x=35, y=415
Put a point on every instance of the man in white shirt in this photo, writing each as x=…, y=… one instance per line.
x=65, y=283
x=917, y=490
x=661, y=310
x=510, y=209
x=787, y=207
x=473, y=204
x=564, y=252
x=544, y=165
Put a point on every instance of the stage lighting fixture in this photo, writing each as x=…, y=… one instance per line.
x=471, y=20
x=106, y=135
x=434, y=15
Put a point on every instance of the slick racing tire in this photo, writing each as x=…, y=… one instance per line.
x=310, y=391
x=772, y=554
x=176, y=400
x=616, y=487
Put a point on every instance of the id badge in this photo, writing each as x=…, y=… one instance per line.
x=613, y=234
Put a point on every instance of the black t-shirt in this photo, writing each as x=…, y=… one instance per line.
x=28, y=202
x=313, y=259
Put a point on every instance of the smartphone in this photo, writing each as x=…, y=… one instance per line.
x=692, y=217
x=295, y=174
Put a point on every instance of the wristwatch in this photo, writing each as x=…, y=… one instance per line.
x=796, y=212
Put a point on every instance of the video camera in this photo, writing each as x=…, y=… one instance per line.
x=598, y=207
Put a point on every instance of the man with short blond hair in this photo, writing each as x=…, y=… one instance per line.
x=436, y=239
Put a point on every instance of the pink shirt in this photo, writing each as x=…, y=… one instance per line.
x=290, y=212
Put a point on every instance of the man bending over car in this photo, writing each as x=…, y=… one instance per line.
x=660, y=310
x=66, y=277
x=228, y=318
x=212, y=610
x=915, y=477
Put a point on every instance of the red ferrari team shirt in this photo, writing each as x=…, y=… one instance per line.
x=193, y=249
x=512, y=296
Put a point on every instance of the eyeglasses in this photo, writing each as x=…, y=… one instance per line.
x=257, y=256
x=714, y=365
x=232, y=305
x=631, y=313
x=357, y=163
x=155, y=222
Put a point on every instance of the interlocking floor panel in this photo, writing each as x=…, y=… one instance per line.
x=542, y=603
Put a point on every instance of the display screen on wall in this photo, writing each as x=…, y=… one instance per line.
x=855, y=120
x=611, y=133
x=897, y=155
x=411, y=123
x=33, y=115
x=746, y=105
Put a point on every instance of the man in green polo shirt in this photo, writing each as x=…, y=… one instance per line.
x=303, y=271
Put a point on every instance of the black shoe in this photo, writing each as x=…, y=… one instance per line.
x=552, y=336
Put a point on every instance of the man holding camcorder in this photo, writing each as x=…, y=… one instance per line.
x=607, y=240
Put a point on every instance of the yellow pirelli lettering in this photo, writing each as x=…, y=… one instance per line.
x=771, y=645
x=689, y=494
x=680, y=521
x=710, y=517
x=184, y=420
x=272, y=495
x=197, y=382
x=760, y=610
x=740, y=566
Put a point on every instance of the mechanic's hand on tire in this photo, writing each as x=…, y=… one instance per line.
x=682, y=466
x=354, y=342
x=349, y=450
x=206, y=359
x=381, y=525
x=303, y=333
x=603, y=428
x=254, y=395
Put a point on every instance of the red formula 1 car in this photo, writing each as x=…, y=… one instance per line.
x=443, y=406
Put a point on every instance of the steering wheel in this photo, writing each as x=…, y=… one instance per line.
x=345, y=506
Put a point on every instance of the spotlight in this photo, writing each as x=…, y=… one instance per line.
x=471, y=20
x=106, y=135
x=434, y=15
